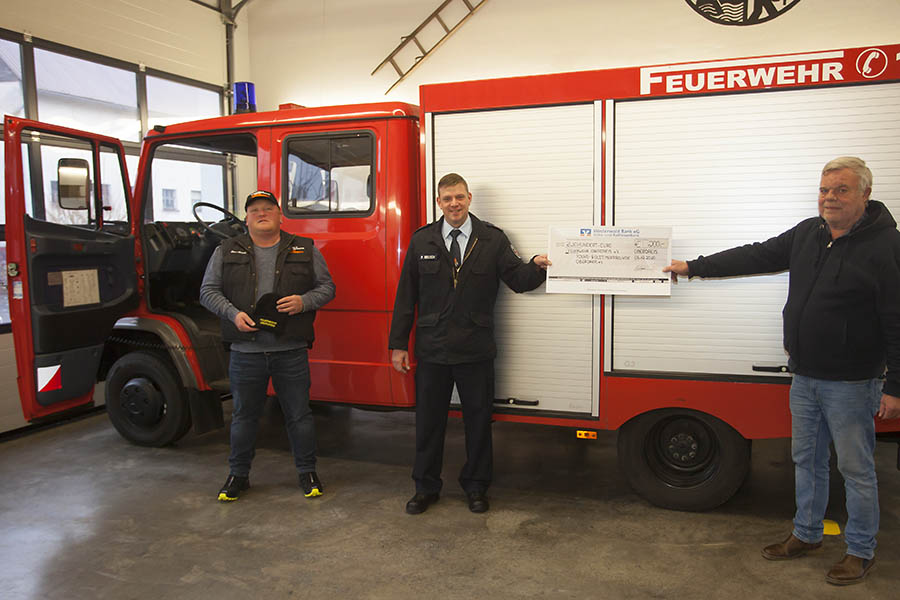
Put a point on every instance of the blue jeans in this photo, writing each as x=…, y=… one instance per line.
x=249, y=373
x=842, y=412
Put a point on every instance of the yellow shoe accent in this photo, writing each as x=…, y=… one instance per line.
x=314, y=492
x=831, y=528
x=224, y=498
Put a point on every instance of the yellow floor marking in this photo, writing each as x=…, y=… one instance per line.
x=831, y=528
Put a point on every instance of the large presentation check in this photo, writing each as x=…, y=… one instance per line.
x=609, y=260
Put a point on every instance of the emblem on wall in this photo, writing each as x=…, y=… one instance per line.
x=741, y=12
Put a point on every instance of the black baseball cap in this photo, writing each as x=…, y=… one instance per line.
x=260, y=195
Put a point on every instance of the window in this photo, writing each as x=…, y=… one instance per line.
x=327, y=175
x=11, y=103
x=168, y=200
x=113, y=190
x=194, y=170
x=11, y=99
x=185, y=175
x=51, y=156
x=172, y=102
x=87, y=95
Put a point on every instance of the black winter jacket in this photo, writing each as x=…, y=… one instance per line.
x=456, y=324
x=842, y=316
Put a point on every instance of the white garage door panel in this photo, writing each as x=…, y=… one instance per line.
x=729, y=170
x=527, y=168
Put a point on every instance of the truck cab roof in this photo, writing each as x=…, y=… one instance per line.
x=292, y=113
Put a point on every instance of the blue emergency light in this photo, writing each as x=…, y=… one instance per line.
x=244, y=97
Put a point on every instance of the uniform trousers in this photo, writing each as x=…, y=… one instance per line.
x=434, y=388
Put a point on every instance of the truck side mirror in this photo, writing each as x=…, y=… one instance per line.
x=74, y=183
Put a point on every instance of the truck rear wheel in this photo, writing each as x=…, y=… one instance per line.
x=144, y=400
x=683, y=459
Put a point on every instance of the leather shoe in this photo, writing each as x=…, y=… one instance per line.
x=789, y=548
x=478, y=502
x=849, y=570
x=420, y=503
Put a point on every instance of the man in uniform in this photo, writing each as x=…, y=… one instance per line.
x=452, y=272
x=268, y=266
x=841, y=328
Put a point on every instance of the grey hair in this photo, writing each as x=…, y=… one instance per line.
x=857, y=165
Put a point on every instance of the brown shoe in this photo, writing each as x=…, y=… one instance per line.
x=789, y=548
x=851, y=569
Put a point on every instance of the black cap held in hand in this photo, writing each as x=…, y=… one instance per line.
x=260, y=195
x=266, y=316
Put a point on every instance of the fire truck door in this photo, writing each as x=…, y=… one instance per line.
x=70, y=258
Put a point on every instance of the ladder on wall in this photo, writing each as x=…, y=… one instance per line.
x=428, y=36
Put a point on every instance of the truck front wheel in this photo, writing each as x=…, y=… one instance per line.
x=683, y=459
x=144, y=400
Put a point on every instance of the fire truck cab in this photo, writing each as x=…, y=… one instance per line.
x=105, y=282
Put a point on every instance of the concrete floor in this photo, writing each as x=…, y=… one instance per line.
x=84, y=514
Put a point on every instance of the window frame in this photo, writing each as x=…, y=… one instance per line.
x=330, y=136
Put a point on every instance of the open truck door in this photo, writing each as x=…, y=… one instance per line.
x=70, y=258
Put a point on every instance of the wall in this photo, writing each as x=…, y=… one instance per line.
x=322, y=52
x=175, y=36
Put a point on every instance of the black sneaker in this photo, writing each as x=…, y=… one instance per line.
x=234, y=485
x=310, y=484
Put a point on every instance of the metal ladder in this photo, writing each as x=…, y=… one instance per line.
x=470, y=5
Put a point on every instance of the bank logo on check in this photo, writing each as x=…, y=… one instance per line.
x=586, y=231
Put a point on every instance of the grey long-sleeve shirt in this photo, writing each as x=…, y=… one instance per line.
x=212, y=298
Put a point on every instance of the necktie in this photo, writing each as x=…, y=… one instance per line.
x=454, y=249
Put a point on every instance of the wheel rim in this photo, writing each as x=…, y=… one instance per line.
x=142, y=402
x=682, y=451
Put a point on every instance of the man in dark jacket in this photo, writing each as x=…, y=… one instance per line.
x=452, y=272
x=267, y=266
x=841, y=329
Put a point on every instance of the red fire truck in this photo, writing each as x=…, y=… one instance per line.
x=103, y=278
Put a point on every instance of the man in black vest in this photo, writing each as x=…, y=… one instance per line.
x=452, y=271
x=287, y=272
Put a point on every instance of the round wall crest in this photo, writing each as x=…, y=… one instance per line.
x=741, y=12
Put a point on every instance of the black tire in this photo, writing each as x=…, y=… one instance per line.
x=145, y=402
x=683, y=459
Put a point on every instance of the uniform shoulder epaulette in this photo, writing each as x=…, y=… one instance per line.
x=425, y=226
x=491, y=225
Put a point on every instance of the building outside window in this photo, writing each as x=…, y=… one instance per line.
x=168, y=198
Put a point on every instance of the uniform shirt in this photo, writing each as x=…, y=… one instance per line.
x=465, y=234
